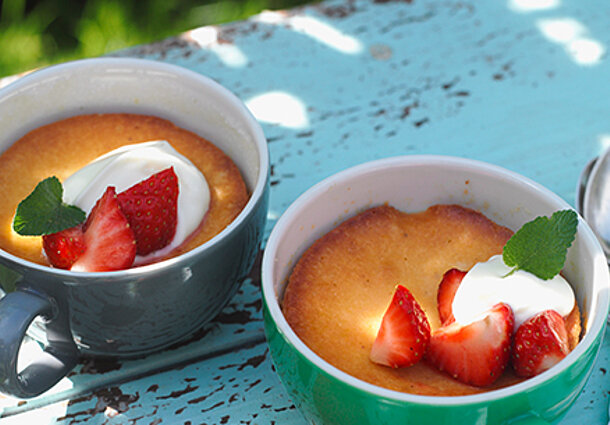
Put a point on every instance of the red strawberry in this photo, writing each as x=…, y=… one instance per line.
x=477, y=353
x=151, y=209
x=539, y=343
x=404, y=332
x=446, y=292
x=108, y=237
x=63, y=248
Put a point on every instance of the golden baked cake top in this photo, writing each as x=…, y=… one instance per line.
x=341, y=286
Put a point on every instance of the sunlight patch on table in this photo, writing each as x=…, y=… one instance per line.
x=279, y=108
x=604, y=142
x=561, y=30
x=228, y=53
x=533, y=5
x=316, y=29
x=574, y=38
x=47, y=415
x=28, y=353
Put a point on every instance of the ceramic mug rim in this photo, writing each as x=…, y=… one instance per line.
x=148, y=65
x=271, y=300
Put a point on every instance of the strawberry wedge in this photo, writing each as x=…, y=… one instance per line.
x=477, y=353
x=109, y=240
x=404, y=333
x=539, y=343
x=151, y=209
x=65, y=247
x=446, y=293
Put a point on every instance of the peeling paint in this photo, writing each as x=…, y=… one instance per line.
x=179, y=393
x=112, y=398
x=337, y=11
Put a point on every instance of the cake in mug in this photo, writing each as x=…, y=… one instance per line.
x=100, y=159
x=353, y=291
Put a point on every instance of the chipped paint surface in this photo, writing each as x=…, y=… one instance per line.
x=336, y=84
x=236, y=388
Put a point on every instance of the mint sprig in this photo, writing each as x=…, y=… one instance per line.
x=541, y=245
x=43, y=212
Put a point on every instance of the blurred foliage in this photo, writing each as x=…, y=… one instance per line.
x=43, y=32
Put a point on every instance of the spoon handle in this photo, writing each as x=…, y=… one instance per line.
x=582, y=185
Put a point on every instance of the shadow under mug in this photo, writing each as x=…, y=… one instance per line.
x=136, y=311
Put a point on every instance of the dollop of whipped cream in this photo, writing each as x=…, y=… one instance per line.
x=487, y=284
x=130, y=164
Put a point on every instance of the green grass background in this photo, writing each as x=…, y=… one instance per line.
x=43, y=32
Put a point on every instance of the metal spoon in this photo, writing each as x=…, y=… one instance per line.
x=595, y=203
x=582, y=184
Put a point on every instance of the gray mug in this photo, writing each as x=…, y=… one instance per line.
x=131, y=312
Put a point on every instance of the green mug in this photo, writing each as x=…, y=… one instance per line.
x=326, y=395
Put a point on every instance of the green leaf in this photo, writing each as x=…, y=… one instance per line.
x=43, y=212
x=540, y=246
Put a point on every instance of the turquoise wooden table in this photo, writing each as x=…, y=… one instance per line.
x=519, y=83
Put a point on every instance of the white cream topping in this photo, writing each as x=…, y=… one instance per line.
x=128, y=165
x=486, y=284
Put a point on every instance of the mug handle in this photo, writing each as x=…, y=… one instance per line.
x=17, y=311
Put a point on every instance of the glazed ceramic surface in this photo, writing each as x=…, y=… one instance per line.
x=327, y=395
x=140, y=310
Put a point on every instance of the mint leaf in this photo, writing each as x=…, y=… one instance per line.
x=540, y=246
x=43, y=212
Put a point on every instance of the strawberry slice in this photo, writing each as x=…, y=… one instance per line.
x=446, y=292
x=477, y=353
x=539, y=343
x=108, y=237
x=151, y=209
x=63, y=248
x=404, y=333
